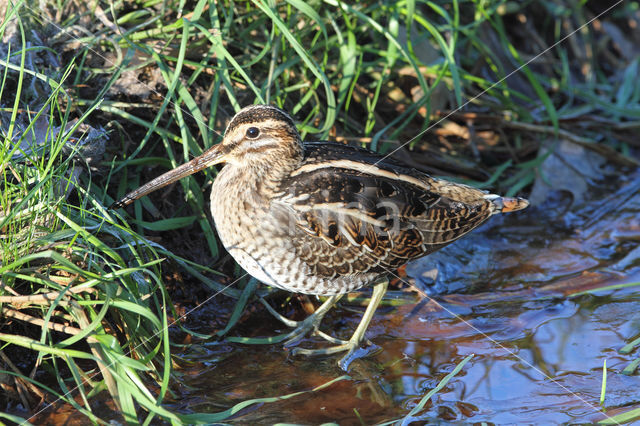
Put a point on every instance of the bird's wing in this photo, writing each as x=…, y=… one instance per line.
x=355, y=213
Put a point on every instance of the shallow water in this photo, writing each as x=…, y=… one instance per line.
x=511, y=294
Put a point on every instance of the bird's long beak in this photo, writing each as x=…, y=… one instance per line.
x=213, y=155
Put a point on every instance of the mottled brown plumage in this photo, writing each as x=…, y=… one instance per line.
x=374, y=214
x=322, y=218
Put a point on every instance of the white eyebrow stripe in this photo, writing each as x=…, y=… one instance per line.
x=259, y=143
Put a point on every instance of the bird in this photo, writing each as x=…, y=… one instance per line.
x=323, y=218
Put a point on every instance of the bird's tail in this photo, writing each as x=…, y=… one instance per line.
x=507, y=204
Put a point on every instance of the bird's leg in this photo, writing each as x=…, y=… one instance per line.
x=379, y=289
x=286, y=321
x=353, y=344
x=309, y=325
x=312, y=323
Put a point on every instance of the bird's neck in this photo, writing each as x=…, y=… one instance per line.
x=255, y=183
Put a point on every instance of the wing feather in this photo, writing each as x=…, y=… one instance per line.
x=353, y=219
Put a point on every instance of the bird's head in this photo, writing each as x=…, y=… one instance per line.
x=258, y=137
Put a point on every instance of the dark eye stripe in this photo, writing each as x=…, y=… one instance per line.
x=259, y=148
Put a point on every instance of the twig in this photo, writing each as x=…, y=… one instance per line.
x=547, y=129
x=10, y=313
x=44, y=298
x=627, y=125
x=578, y=140
x=18, y=380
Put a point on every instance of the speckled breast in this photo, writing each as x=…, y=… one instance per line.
x=259, y=239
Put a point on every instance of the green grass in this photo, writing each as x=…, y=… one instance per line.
x=76, y=296
x=99, y=309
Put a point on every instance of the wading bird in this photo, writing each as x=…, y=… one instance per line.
x=322, y=218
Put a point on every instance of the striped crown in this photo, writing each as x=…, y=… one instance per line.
x=261, y=135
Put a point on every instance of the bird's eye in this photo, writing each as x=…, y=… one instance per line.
x=253, y=132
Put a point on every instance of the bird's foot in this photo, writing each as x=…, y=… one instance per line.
x=353, y=347
x=311, y=325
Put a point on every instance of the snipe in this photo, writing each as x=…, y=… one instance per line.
x=322, y=218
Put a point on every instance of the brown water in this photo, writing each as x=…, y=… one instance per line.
x=509, y=294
